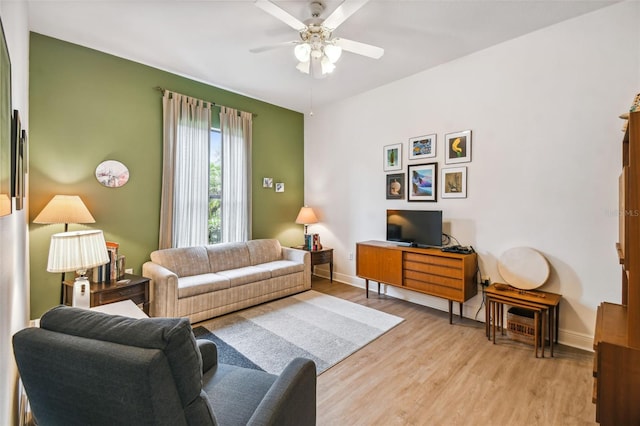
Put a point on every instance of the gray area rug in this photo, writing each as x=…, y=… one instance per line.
x=312, y=325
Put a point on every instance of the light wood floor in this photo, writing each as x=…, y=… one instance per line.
x=427, y=372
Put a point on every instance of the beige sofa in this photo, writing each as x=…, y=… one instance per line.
x=206, y=281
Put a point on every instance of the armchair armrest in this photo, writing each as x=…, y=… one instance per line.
x=209, y=353
x=163, y=289
x=291, y=400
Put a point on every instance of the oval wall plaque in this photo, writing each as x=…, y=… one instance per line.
x=112, y=173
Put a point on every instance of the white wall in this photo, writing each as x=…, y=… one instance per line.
x=543, y=110
x=14, y=270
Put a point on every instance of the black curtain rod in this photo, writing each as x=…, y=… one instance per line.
x=162, y=90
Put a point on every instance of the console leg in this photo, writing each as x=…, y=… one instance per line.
x=460, y=311
x=450, y=311
x=367, y=287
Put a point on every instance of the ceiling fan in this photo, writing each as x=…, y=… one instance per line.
x=316, y=51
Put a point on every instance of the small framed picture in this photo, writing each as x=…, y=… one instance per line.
x=422, y=182
x=454, y=182
x=393, y=157
x=457, y=147
x=267, y=182
x=422, y=147
x=395, y=186
x=279, y=187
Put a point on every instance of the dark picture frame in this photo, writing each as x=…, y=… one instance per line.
x=423, y=182
x=17, y=168
x=5, y=127
x=395, y=186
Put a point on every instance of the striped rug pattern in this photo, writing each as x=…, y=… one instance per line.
x=313, y=325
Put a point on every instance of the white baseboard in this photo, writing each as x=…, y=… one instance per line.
x=472, y=309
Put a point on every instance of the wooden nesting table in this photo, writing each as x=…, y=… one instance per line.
x=543, y=304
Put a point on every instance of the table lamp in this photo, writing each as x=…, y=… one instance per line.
x=64, y=209
x=78, y=251
x=306, y=217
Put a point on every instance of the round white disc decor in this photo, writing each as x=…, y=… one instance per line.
x=523, y=268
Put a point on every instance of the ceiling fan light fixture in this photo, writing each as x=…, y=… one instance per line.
x=304, y=67
x=327, y=65
x=333, y=52
x=302, y=52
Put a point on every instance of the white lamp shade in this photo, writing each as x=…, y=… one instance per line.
x=333, y=52
x=304, y=67
x=327, y=66
x=306, y=216
x=77, y=251
x=302, y=52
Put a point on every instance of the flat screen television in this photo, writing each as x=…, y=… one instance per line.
x=417, y=228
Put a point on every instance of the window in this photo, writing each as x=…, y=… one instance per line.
x=215, y=187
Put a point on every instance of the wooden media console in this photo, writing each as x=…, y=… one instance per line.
x=430, y=271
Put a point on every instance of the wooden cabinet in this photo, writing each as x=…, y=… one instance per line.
x=430, y=271
x=131, y=287
x=378, y=262
x=617, y=334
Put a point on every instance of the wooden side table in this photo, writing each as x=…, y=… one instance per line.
x=540, y=302
x=320, y=257
x=133, y=287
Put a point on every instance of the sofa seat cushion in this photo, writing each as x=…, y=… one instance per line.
x=235, y=393
x=201, y=284
x=248, y=274
x=279, y=268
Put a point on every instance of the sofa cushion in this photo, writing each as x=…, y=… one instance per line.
x=200, y=284
x=262, y=251
x=225, y=256
x=279, y=268
x=185, y=261
x=248, y=274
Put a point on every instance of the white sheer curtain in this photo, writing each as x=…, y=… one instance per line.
x=185, y=174
x=235, y=129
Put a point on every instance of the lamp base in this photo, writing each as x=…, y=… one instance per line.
x=81, y=293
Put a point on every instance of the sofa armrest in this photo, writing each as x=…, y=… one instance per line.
x=299, y=256
x=291, y=400
x=163, y=289
x=209, y=353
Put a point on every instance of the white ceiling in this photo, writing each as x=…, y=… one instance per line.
x=209, y=40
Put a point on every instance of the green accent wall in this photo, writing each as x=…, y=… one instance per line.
x=87, y=106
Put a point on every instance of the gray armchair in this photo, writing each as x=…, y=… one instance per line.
x=83, y=367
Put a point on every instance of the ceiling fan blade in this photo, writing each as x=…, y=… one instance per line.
x=281, y=14
x=359, y=48
x=343, y=12
x=273, y=46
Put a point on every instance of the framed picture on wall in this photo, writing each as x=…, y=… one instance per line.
x=457, y=147
x=422, y=147
x=395, y=186
x=5, y=128
x=454, y=182
x=393, y=157
x=423, y=180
